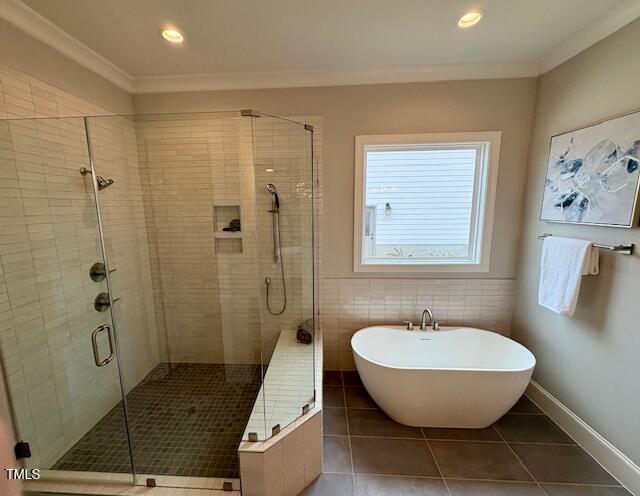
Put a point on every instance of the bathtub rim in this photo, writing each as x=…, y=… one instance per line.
x=531, y=366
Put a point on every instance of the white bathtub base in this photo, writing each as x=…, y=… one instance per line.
x=442, y=399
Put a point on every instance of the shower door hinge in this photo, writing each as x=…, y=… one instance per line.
x=275, y=429
x=305, y=409
x=249, y=113
x=22, y=450
x=151, y=482
x=308, y=127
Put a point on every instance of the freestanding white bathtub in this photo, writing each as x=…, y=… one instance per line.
x=456, y=377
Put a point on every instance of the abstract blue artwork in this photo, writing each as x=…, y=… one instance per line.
x=592, y=174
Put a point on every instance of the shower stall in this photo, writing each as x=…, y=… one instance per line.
x=154, y=270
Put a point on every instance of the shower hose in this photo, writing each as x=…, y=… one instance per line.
x=268, y=280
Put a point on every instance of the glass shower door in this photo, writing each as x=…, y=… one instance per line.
x=57, y=334
x=283, y=168
x=179, y=228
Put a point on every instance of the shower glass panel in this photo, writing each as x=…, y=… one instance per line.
x=59, y=352
x=180, y=228
x=284, y=211
x=193, y=233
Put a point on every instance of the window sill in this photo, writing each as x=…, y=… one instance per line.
x=477, y=268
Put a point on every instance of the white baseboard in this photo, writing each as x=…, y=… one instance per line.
x=610, y=457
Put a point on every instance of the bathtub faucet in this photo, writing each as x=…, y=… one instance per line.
x=423, y=322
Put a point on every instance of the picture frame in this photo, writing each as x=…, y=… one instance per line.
x=593, y=174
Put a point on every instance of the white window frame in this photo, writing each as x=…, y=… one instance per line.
x=484, y=198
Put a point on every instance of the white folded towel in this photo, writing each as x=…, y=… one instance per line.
x=564, y=262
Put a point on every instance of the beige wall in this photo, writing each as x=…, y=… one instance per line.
x=591, y=362
x=28, y=55
x=505, y=105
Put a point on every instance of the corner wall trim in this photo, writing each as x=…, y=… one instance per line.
x=605, y=453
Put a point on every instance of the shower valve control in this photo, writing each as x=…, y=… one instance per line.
x=98, y=272
x=102, y=303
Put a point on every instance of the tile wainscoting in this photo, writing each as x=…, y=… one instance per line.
x=351, y=304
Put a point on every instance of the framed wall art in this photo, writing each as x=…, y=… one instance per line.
x=593, y=174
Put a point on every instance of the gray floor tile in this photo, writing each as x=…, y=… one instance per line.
x=357, y=397
x=576, y=490
x=531, y=429
x=368, y=422
x=558, y=463
x=351, y=378
x=525, y=405
x=490, y=488
x=185, y=419
x=337, y=454
x=332, y=378
x=332, y=396
x=487, y=434
x=330, y=485
x=385, y=485
x=334, y=421
x=392, y=456
x=473, y=460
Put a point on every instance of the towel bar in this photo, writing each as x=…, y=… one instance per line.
x=625, y=249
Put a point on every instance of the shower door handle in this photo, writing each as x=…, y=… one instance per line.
x=94, y=343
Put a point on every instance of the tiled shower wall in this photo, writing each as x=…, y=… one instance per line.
x=210, y=301
x=48, y=241
x=282, y=157
x=351, y=304
x=114, y=152
x=206, y=299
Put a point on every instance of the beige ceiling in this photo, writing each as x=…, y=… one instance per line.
x=232, y=36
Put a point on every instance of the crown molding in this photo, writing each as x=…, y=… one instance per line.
x=30, y=21
x=41, y=28
x=339, y=77
x=616, y=18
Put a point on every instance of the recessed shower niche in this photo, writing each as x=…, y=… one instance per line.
x=227, y=229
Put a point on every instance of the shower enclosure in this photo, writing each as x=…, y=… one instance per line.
x=141, y=261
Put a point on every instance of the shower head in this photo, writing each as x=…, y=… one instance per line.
x=103, y=182
x=272, y=189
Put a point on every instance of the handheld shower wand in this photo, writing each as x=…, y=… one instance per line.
x=277, y=247
x=276, y=199
x=275, y=211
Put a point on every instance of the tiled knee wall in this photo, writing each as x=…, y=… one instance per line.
x=351, y=304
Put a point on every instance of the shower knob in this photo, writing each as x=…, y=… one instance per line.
x=98, y=272
x=102, y=303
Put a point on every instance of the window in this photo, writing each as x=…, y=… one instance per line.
x=425, y=202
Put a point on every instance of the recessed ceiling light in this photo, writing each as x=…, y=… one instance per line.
x=172, y=35
x=268, y=170
x=470, y=18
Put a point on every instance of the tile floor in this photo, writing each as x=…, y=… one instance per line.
x=185, y=420
x=522, y=454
